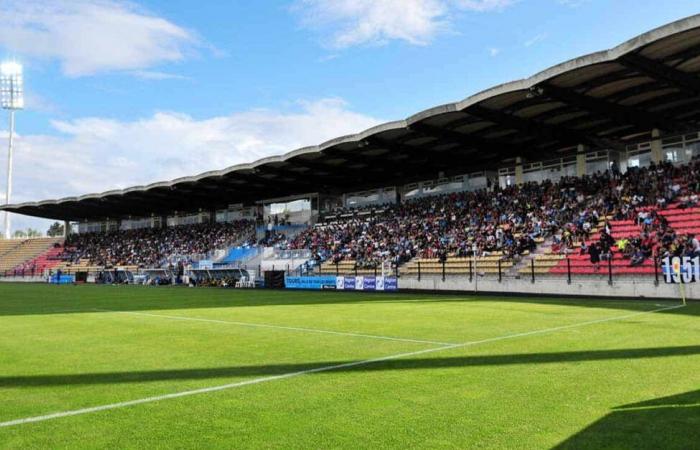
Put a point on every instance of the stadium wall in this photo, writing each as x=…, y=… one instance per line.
x=13, y=279
x=627, y=287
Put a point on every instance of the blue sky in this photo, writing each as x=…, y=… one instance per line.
x=123, y=93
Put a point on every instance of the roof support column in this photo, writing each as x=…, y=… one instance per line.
x=66, y=228
x=580, y=160
x=519, y=179
x=657, y=154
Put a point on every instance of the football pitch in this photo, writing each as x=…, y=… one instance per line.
x=143, y=367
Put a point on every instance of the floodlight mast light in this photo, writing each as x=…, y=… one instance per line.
x=11, y=99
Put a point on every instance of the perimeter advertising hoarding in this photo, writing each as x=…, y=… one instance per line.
x=366, y=283
x=319, y=283
x=64, y=279
x=341, y=283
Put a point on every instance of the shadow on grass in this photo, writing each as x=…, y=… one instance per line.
x=663, y=423
x=37, y=299
x=345, y=366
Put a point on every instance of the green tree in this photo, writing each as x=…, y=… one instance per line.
x=28, y=233
x=55, y=230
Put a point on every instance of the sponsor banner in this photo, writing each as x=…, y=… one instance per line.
x=341, y=283
x=349, y=283
x=367, y=283
x=681, y=270
x=64, y=279
x=322, y=282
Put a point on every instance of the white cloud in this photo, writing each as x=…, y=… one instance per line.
x=329, y=57
x=91, y=36
x=374, y=21
x=535, y=39
x=358, y=22
x=493, y=51
x=156, y=75
x=484, y=5
x=95, y=154
x=572, y=3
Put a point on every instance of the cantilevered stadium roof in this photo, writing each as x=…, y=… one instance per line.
x=603, y=100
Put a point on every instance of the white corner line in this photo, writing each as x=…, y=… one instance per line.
x=206, y=390
x=276, y=327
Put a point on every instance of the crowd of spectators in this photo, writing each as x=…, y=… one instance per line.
x=639, y=196
x=157, y=247
x=508, y=221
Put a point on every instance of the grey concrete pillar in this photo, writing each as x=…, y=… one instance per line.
x=657, y=153
x=519, y=178
x=581, y=160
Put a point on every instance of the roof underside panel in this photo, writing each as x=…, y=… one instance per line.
x=604, y=100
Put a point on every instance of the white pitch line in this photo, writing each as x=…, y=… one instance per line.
x=158, y=398
x=278, y=327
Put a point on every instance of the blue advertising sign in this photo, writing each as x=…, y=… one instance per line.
x=349, y=283
x=366, y=283
x=341, y=283
x=322, y=282
x=64, y=279
x=391, y=284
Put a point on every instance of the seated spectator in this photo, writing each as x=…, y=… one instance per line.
x=637, y=258
x=594, y=252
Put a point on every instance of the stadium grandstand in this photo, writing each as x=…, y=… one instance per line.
x=587, y=171
x=524, y=264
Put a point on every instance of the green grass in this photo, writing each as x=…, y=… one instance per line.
x=632, y=382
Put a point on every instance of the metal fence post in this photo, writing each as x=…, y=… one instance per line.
x=355, y=268
x=443, y=271
x=532, y=267
x=471, y=271
x=499, y=270
x=610, y=279
x=568, y=270
x=418, y=270
x=656, y=270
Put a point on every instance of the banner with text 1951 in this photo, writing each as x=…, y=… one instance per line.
x=679, y=269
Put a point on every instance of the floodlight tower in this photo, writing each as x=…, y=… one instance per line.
x=11, y=99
